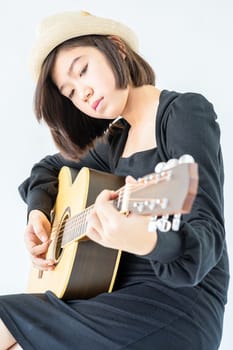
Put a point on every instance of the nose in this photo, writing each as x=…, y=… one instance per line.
x=85, y=93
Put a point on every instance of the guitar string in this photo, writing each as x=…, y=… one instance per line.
x=79, y=220
x=76, y=220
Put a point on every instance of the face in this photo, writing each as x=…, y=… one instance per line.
x=84, y=75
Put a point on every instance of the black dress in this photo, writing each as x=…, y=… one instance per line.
x=170, y=299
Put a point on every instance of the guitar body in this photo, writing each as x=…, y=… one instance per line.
x=84, y=268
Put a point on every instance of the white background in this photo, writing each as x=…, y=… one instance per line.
x=190, y=46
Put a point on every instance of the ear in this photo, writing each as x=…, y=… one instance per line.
x=121, y=45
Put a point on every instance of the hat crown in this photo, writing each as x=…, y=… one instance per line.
x=60, y=18
x=55, y=29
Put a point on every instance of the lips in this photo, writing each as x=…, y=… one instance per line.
x=96, y=103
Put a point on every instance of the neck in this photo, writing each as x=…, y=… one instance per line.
x=141, y=102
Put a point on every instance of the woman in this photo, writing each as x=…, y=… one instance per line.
x=171, y=287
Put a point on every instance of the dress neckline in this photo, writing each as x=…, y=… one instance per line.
x=126, y=130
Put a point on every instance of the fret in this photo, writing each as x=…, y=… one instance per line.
x=74, y=227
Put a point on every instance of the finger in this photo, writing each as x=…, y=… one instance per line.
x=38, y=249
x=94, y=227
x=39, y=225
x=130, y=180
x=106, y=195
x=103, y=205
x=94, y=235
x=93, y=222
x=43, y=264
x=31, y=239
x=41, y=232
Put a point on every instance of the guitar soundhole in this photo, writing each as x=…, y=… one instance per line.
x=58, y=249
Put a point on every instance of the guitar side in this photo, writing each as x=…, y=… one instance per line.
x=84, y=268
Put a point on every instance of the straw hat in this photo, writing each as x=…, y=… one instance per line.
x=54, y=30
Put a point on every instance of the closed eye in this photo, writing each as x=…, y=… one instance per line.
x=71, y=94
x=83, y=71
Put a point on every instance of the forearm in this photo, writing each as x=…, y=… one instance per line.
x=40, y=189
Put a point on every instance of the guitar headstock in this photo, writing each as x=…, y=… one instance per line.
x=170, y=190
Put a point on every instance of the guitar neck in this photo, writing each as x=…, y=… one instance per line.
x=170, y=192
x=75, y=227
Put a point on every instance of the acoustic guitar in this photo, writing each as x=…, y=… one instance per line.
x=84, y=268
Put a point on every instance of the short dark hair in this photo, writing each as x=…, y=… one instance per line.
x=73, y=131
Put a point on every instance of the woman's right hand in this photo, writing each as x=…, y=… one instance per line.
x=37, y=240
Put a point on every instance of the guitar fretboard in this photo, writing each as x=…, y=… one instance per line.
x=74, y=227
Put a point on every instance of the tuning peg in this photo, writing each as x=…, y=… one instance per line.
x=139, y=206
x=176, y=222
x=163, y=224
x=163, y=202
x=171, y=163
x=160, y=167
x=186, y=158
x=152, y=225
x=151, y=204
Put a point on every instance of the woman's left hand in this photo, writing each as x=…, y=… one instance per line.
x=110, y=228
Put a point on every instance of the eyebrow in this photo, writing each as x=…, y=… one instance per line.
x=70, y=70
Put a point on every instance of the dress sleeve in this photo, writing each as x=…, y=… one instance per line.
x=39, y=190
x=183, y=258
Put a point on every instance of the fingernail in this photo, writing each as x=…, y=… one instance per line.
x=44, y=238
